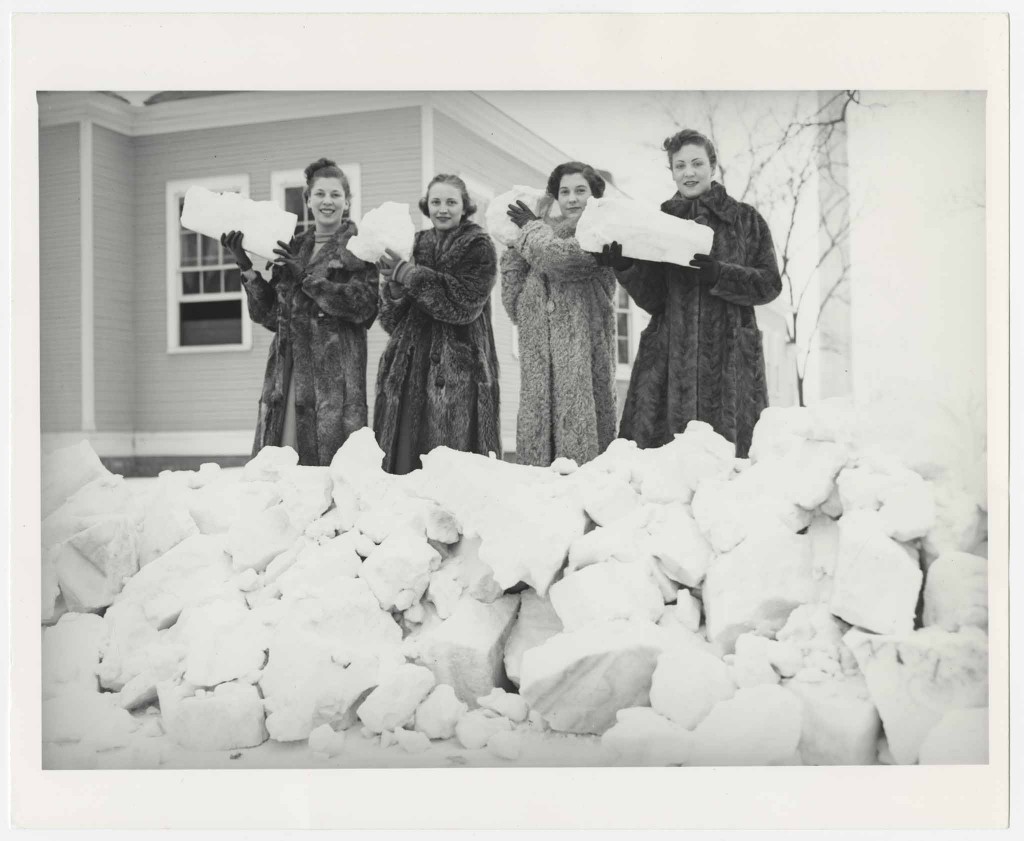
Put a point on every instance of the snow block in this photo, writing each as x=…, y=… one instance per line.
x=225, y=641
x=467, y=649
x=269, y=464
x=71, y=654
x=640, y=736
x=578, y=680
x=605, y=592
x=65, y=471
x=513, y=707
x=306, y=493
x=94, y=564
x=678, y=544
x=398, y=571
x=757, y=585
x=228, y=718
x=960, y=738
x=393, y=703
x=536, y=623
x=840, y=725
x=757, y=726
x=671, y=474
x=437, y=716
x=877, y=582
x=687, y=683
x=263, y=223
x=90, y=718
x=387, y=226
x=506, y=744
x=607, y=498
x=916, y=678
x=316, y=564
x=476, y=728
x=218, y=506
x=324, y=740
x=956, y=592
x=255, y=540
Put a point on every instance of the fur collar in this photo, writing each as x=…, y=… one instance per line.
x=564, y=228
x=333, y=254
x=715, y=201
x=432, y=249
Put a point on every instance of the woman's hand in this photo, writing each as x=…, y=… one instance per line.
x=611, y=257
x=287, y=259
x=520, y=214
x=232, y=241
x=708, y=266
x=387, y=263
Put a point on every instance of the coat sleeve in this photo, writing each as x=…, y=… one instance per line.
x=758, y=283
x=646, y=284
x=514, y=270
x=455, y=297
x=350, y=295
x=392, y=310
x=261, y=296
x=562, y=257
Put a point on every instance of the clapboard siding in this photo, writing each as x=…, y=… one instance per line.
x=60, y=272
x=459, y=150
x=221, y=390
x=114, y=279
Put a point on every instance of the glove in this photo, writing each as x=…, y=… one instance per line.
x=611, y=257
x=520, y=214
x=708, y=266
x=232, y=241
x=287, y=259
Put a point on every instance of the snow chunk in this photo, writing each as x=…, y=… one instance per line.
x=94, y=564
x=687, y=683
x=536, y=623
x=166, y=522
x=269, y=463
x=255, y=540
x=607, y=498
x=642, y=737
x=671, y=474
x=218, y=506
x=90, y=718
x=511, y=706
x=756, y=586
x=230, y=717
x=306, y=493
x=315, y=565
x=960, y=738
x=916, y=678
x=604, y=592
x=840, y=723
x=757, y=726
x=67, y=470
x=398, y=571
x=678, y=544
x=437, y=716
x=226, y=641
x=71, y=654
x=877, y=582
x=956, y=592
x=386, y=226
x=507, y=744
x=499, y=225
x=579, y=679
x=394, y=701
x=411, y=741
x=467, y=649
x=324, y=740
x=476, y=728
x=685, y=612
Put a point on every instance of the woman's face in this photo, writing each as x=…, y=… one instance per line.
x=444, y=203
x=327, y=202
x=692, y=171
x=573, y=192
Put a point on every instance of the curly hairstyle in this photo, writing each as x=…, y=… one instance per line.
x=689, y=137
x=594, y=179
x=468, y=207
x=326, y=168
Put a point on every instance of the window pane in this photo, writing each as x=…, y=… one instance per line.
x=232, y=280
x=622, y=324
x=623, y=350
x=190, y=283
x=211, y=323
x=211, y=281
x=293, y=202
x=188, y=249
x=181, y=206
x=210, y=251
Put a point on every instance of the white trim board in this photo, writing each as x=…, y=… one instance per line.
x=219, y=442
x=87, y=341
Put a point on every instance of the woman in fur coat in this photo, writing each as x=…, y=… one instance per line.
x=563, y=304
x=701, y=356
x=319, y=303
x=437, y=385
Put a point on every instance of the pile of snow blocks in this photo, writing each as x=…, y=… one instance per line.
x=823, y=602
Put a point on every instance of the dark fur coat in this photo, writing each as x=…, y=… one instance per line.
x=563, y=303
x=320, y=319
x=441, y=353
x=701, y=356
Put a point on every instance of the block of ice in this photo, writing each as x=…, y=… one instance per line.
x=956, y=592
x=437, y=716
x=604, y=592
x=644, y=232
x=387, y=226
x=263, y=223
x=65, y=471
x=757, y=726
x=641, y=736
x=499, y=225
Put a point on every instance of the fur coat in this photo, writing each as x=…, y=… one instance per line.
x=441, y=353
x=319, y=319
x=701, y=356
x=563, y=304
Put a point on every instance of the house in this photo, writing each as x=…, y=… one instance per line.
x=146, y=346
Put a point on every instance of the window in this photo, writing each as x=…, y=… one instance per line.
x=287, y=187
x=206, y=308
x=623, y=331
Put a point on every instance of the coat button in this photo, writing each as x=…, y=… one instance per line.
x=435, y=358
x=551, y=306
x=439, y=382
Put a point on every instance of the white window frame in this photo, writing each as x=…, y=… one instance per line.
x=282, y=179
x=174, y=190
x=638, y=320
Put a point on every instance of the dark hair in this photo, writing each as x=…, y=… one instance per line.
x=689, y=137
x=468, y=208
x=326, y=168
x=594, y=179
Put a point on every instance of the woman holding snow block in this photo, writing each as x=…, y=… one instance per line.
x=437, y=385
x=701, y=357
x=563, y=304
x=319, y=303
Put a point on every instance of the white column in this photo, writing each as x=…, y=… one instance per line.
x=86, y=233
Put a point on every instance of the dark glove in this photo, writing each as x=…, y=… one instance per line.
x=708, y=266
x=520, y=214
x=232, y=241
x=387, y=263
x=611, y=257
x=287, y=259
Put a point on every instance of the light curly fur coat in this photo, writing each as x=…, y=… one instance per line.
x=563, y=304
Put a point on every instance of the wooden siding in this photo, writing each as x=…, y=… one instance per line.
x=60, y=329
x=459, y=150
x=114, y=279
x=220, y=390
